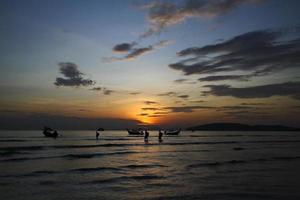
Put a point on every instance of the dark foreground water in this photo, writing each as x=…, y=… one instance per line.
x=194, y=165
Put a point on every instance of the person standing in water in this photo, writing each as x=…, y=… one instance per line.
x=160, y=134
x=97, y=135
x=146, y=136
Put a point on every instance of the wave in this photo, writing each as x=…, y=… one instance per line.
x=235, y=162
x=238, y=148
x=13, y=140
x=48, y=182
x=70, y=156
x=11, y=153
x=86, y=170
x=31, y=174
x=125, y=178
x=79, y=170
x=143, y=166
x=76, y=156
x=142, y=144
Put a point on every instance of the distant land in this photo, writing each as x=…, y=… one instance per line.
x=240, y=127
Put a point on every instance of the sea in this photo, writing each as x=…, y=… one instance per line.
x=194, y=165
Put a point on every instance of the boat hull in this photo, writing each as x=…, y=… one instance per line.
x=49, y=134
x=172, y=132
x=134, y=132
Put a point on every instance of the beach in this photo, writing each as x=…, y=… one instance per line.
x=193, y=165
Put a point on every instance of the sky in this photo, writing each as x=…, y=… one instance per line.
x=118, y=63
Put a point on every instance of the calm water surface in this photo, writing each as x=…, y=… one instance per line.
x=194, y=165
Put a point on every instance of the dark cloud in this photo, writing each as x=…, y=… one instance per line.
x=236, y=107
x=246, y=113
x=73, y=77
x=134, y=52
x=137, y=52
x=180, y=80
x=197, y=101
x=134, y=93
x=150, y=102
x=163, y=14
x=167, y=94
x=186, y=109
x=255, y=104
x=104, y=90
x=124, y=47
x=143, y=114
x=183, y=80
x=225, y=77
x=184, y=96
x=259, y=52
x=151, y=109
x=97, y=88
x=154, y=115
x=161, y=113
x=107, y=91
x=264, y=91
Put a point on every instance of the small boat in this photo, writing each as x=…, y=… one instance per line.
x=135, y=132
x=49, y=132
x=172, y=132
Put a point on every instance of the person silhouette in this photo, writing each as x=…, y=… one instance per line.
x=97, y=135
x=55, y=134
x=160, y=134
x=146, y=136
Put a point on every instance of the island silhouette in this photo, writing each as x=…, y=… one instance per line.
x=240, y=127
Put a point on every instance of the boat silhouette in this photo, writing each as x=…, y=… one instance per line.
x=172, y=132
x=49, y=132
x=135, y=132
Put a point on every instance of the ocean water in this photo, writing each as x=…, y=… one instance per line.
x=193, y=165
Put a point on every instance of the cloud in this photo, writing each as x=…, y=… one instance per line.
x=151, y=109
x=226, y=77
x=143, y=114
x=246, y=113
x=137, y=52
x=161, y=113
x=197, y=101
x=260, y=52
x=104, y=90
x=186, y=109
x=254, y=104
x=183, y=80
x=167, y=94
x=73, y=77
x=134, y=93
x=183, y=96
x=162, y=14
x=107, y=91
x=134, y=52
x=97, y=88
x=123, y=47
x=150, y=102
x=155, y=115
x=263, y=91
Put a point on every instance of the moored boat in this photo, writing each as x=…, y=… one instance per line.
x=49, y=132
x=172, y=132
x=135, y=132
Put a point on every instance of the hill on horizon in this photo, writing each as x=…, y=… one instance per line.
x=240, y=127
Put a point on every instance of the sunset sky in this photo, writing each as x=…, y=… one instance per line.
x=163, y=63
